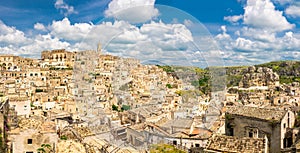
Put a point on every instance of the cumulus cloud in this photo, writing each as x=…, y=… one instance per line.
x=224, y=34
x=134, y=11
x=261, y=37
x=39, y=26
x=254, y=47
x=64, y=30
x=14, y=41
x=262, y=14
x=234, y=18
x=293, y=11
x=10, y=35
x=42, y=42
x=258, y=34
x=155, y=40
x=64, y=8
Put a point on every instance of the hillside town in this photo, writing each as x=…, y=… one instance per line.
x=99, y=103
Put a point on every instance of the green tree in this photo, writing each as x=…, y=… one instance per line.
x=63, y=137
x=169, y=86
x=41, y=150
x=45, y=148
x=114, y=107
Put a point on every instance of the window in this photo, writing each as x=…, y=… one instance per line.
x=231, y=131
x=29, y=141
x=174, y=142
x=197, y=145
x=250, y=134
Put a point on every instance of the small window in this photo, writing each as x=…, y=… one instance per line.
x=284, y=125
x=251, y=134
x=29, y=141
x=174, y=142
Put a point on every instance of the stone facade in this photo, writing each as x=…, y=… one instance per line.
x=259, y=123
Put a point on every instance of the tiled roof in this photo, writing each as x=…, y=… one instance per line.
x=222, y=143
x=256, y=112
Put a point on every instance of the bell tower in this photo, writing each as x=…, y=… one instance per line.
x=99, y=48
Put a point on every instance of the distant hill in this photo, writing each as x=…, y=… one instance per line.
x=288, y=71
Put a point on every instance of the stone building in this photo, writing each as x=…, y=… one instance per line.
x=21, y=106
x=30, y=134
x=259, y=123
x=59, y=58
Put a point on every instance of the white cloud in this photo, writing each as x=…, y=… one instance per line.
x=253, y=47
x=258, y=34
x=42, y=42
x=155, y=40
x=64, y=8
x=134, y=11
x=10, y=35
x=262, y=14
x=64, y=30
x=224, y=34
x=39, y=26
x=234, y=18
x=293, y=11
x=14, y=41
x=243, y=44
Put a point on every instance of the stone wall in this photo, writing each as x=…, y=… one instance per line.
x=241, y=127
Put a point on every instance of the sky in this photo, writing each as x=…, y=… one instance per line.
x=194, y=32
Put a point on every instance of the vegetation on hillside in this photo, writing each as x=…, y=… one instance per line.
x=289, y=71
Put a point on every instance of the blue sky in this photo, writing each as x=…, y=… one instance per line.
x=242, y=32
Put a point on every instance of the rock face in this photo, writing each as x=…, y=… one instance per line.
x=289, y=68
x=261, y=76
